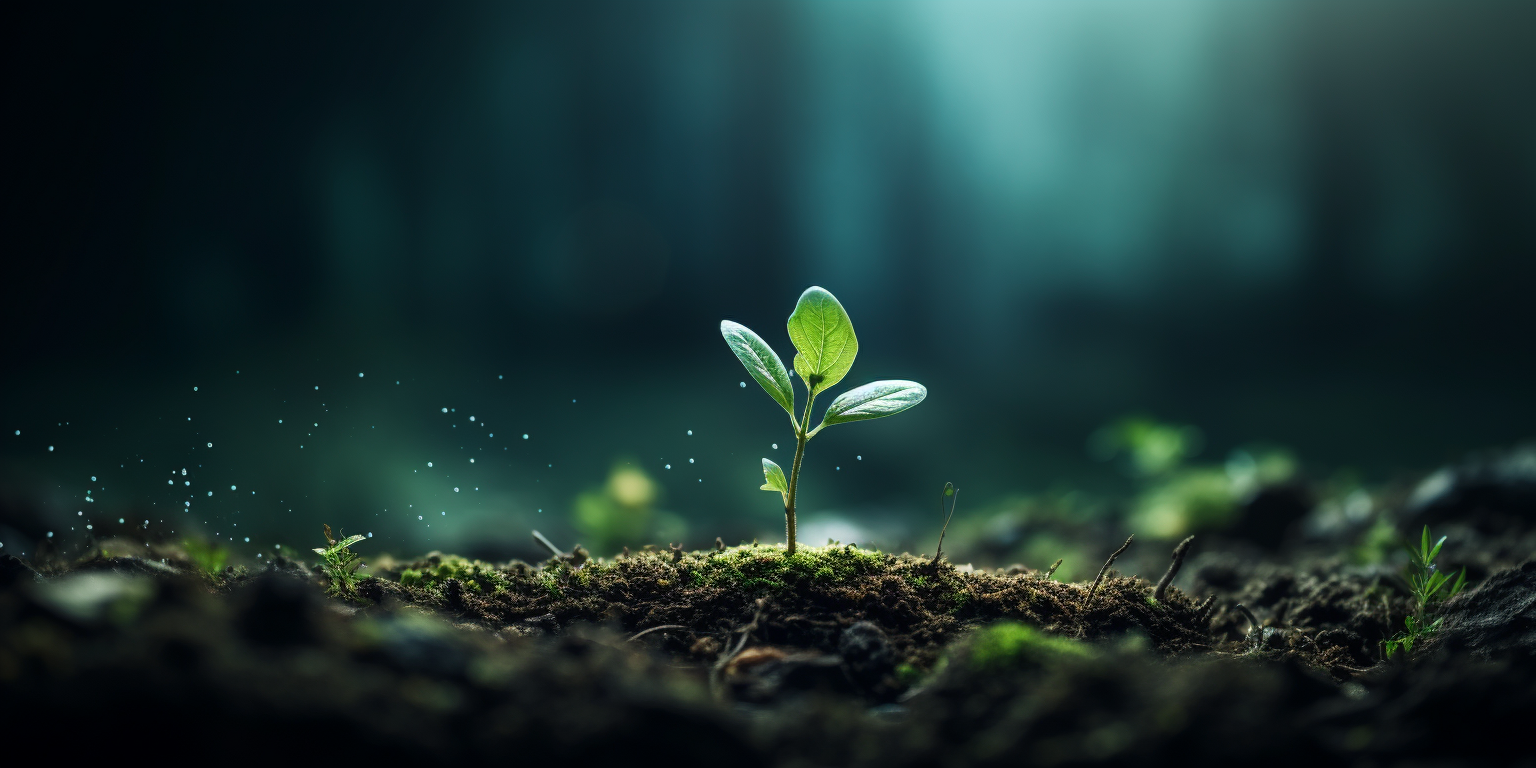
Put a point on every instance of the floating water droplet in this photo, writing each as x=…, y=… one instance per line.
x=93, y=478
x=210, y=493
x=690, y=461
x=317, y=386
x=445, y=410
x=183, y=470
x=860, y=458
x=690, y=433
x=279, y=421
x=471, y=418
x=232, y=488
x=89, y=527
x=77, y=514
x=669, y=466
x=493, y=434
x=743, y=385
x=471, y=461
x=50, y=449
x=429, y=463
x=210, y=445
x=775, y=446
x=370, y=534
x=525, y=435
x=50, y=534
x=445, y=513
x=359, y=374
x=194, y=389
x=455, y=489
x=418, y=517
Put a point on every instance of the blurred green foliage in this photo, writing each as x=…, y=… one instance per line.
x=206, y=555
x=1177, y=498
x=622, y=512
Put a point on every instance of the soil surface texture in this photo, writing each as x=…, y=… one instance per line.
x=832, y=656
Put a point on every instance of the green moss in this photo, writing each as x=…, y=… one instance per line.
x=768, y=569
x=476, y=576
x=1009, y=645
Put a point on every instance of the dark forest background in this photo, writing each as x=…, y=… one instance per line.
x=1310, y=225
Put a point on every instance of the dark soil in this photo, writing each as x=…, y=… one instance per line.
x=833, y=657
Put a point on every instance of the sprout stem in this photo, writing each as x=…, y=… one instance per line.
x=801, y=438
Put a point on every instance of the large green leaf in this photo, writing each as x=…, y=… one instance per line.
x=761, y=361
x=823, y=334
x=776, y=481
x=873, y=400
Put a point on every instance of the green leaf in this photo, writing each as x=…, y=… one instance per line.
x=823, y=334
x=776, y=481
x=1436, y=549
x=1461, y=582
x=1436, y=581
x=873, y=400
x=1424, y=546
x=761, y=361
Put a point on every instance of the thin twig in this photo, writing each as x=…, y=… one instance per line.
x=1253, y=624
x=1105, y=569
x=644, y=632
x=1052, y=571
x=954, y=494
x=539, y=537
x=1173, y=569
x=1203, y=611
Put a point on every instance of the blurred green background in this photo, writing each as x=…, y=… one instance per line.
x=1277, y=238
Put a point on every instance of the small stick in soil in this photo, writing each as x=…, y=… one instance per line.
x=719, y=544
x=1105, y=569
x=1253, y=624
x=1052, y=571
x=1203, y=611
x=659, y=627
x=729, y=652
x=1173, y=569
x=539, y=537
x=953, y=493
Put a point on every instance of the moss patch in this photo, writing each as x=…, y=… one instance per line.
x=1009, y=645
x=804, y=600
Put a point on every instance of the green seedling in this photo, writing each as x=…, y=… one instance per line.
x=339, y=563
x=953, y=495
x=826, y=345
x=1426, y=582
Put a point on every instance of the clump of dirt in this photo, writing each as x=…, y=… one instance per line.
x=803, y=601
x=833, y=656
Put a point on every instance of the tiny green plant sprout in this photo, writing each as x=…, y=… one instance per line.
x=339, y=563
x=1425, y=581
x=826, y=345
